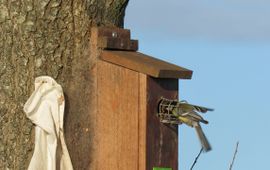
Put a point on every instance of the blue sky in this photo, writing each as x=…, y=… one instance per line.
x=227, y=45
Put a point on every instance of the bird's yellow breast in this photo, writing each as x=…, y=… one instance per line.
x=186, y=120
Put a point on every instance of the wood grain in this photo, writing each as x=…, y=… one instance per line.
x=145, y=64
x=113, y=32
x=118, y=44
x=161, y=139
x=129, y=133
x=142, y=120
x=117, y=121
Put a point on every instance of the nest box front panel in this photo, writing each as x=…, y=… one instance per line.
x=162, y=139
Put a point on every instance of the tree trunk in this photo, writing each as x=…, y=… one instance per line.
x=49, y=37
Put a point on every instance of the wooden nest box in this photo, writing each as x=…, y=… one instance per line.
x=130, y=85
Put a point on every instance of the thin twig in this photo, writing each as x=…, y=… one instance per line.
x=234, y=155
x=196, y=159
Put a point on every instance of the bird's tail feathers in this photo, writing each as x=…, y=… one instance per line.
x=204, y=142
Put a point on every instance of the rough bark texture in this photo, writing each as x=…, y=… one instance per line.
x=47, y=37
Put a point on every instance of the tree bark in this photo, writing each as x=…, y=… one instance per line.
x=49, y=37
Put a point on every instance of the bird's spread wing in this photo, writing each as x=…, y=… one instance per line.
x=196, y=117
x=195, y=107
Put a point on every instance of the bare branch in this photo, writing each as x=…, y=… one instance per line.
x=196, y=159
x=234, y=155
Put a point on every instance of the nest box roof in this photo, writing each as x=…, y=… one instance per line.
x=118, y=48
x=145, y=64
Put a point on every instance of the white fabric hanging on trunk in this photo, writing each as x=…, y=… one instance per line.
x=45, y=108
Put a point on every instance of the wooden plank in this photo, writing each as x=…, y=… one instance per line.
x=118, y=44
x=113, y=32
x=117, y=124
x=142, y=120
x=146, y=64
x=81, y=108
x=128, y=120
x=162, y=139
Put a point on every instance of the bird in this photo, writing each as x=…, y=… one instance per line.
x=188, y=114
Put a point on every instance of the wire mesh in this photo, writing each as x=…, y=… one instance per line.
x=165, y=108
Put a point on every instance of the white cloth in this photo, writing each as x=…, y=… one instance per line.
x=45, y=108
